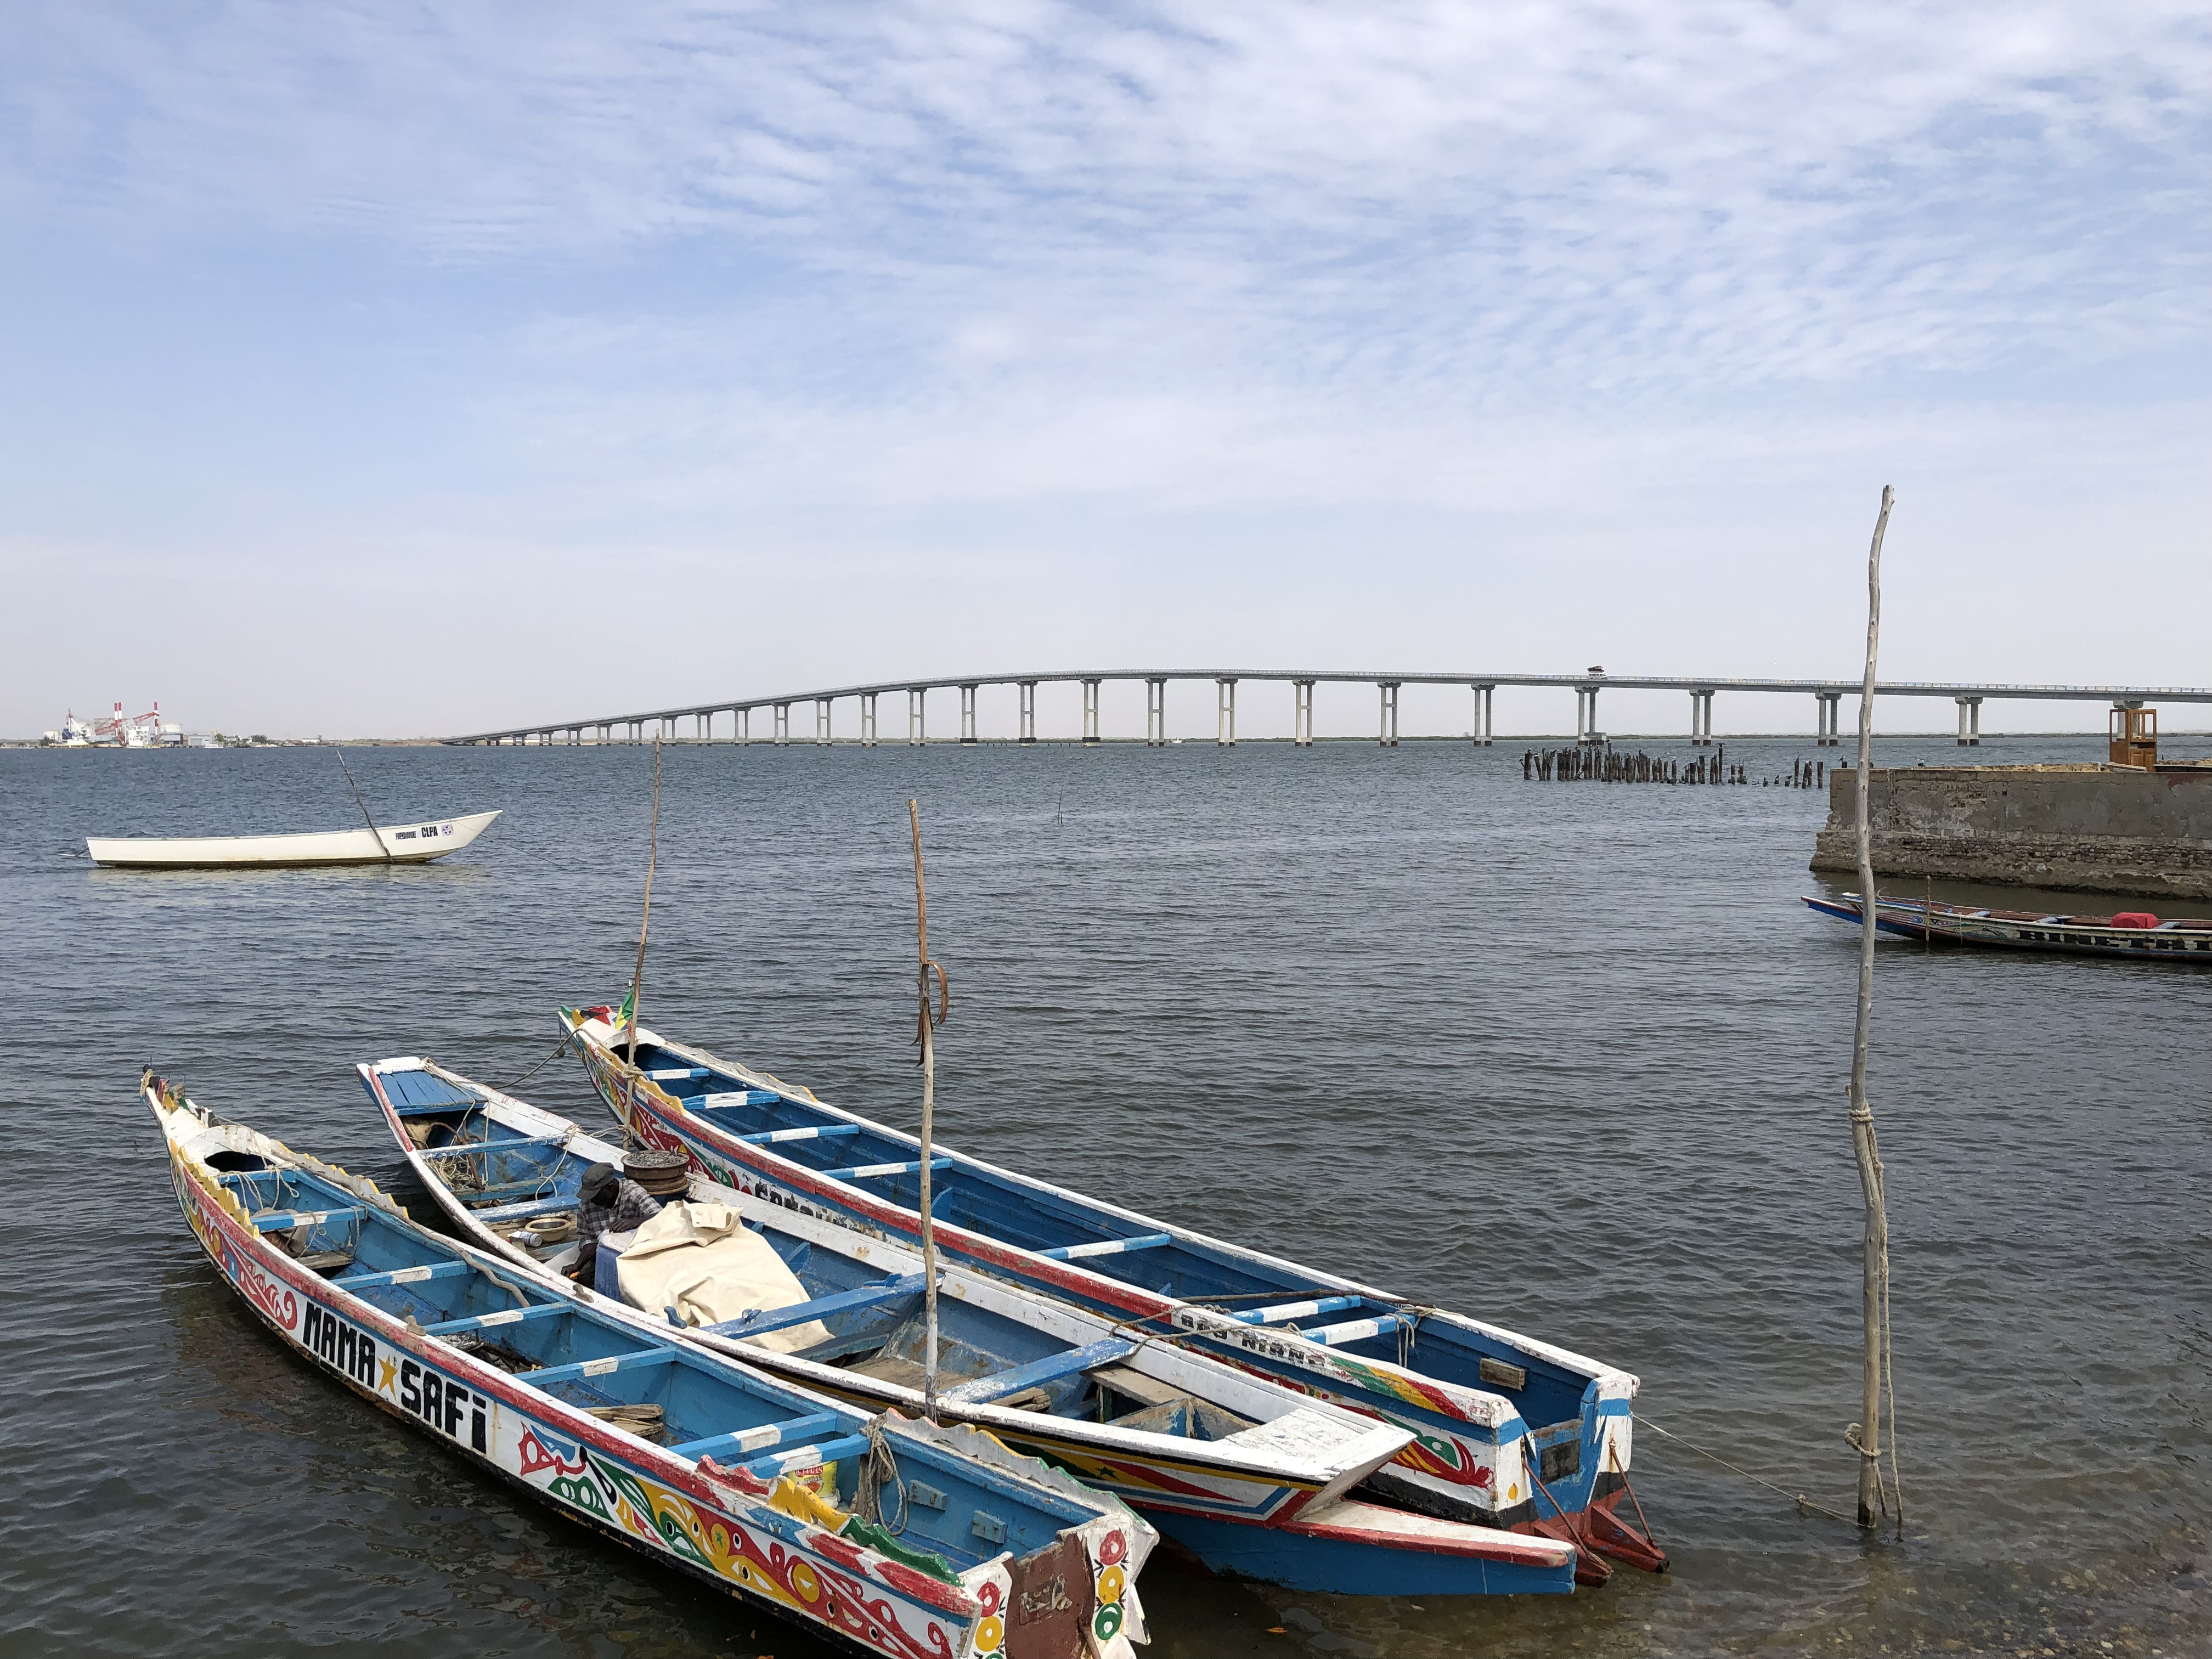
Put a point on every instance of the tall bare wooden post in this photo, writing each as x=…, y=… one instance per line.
x=1865, y=1435
x=934, y=990
x=645, y=922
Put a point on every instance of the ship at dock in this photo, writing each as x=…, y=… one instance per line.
x=117, y=731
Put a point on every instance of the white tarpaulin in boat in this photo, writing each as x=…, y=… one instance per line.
x=703, y=1261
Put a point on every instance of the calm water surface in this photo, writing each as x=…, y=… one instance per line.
x=1570, y=1057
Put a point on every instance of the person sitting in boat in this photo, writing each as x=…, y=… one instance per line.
x=606, y=1201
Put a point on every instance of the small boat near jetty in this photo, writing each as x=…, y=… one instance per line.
x=411, y=843
x=1204, y=1451
x=2135, y=935
x=892, y=1537
x=1509, y=1433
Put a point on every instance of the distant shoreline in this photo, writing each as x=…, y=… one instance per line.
x=1556, y=738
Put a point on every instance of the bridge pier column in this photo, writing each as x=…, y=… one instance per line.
x=1388, y=735
x=1483, y=732
x=744, y=718
x=1225, y=714
x=1302, y=714
x=1089, y=712
x=917, y=728
x=1156, y=713
x=1028, y=711
x=1970, y=722
x=1586, y=732
x=1831, y=719
x=867, y=719
x=782, y=724
x=821, y=722
x=1701, y=719
x=967, y=713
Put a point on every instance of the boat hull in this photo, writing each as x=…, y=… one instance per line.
x=731, y=1529
x=1472, y=1461
x=1166, y=1481
x=413, y=843
x=2177, y=943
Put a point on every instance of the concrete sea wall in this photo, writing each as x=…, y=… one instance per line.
x=2086, y=827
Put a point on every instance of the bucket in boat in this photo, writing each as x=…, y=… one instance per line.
x=552, y=1230
x=663, y=1174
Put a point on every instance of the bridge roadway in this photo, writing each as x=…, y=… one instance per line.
x=1827, y=695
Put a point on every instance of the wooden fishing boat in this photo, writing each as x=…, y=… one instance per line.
x=408, y=843
x=1508, y=1432
x=787, y=1500
x=1194, y=1443
x=2137, y=935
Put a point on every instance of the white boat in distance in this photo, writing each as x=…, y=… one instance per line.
x=417, y=844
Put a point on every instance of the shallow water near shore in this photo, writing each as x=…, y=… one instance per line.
x=1570, y=1057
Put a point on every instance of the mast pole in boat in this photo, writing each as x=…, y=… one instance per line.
x=934, y=989
x=645, y=923
x=1865, y=1435
x=380, y=844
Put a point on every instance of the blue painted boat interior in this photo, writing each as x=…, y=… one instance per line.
x=1014, y=1212
x=701, y=1397
x=876, y=1321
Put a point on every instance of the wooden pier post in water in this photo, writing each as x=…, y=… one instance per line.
x=936, y=1003
x=1865, y=1435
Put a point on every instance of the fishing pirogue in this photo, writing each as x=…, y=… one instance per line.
x=894, y=1537
x=1186, y=1439
x=1509, y=1433
x=2137, y=934
x=409, y=843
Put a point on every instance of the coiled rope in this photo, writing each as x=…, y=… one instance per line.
x=880, y=1472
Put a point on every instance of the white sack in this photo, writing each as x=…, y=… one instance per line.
x=703, y=1261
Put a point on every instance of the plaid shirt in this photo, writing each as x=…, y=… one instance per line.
x=633, y=1206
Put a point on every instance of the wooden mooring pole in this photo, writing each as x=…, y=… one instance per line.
x=644, y=921
x=1865, y=1435
x=936, y=1003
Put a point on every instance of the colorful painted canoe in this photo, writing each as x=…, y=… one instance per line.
x=1204, y=1451
x=755, y=1487
x=406, y=843
x=1508, y=1432
x=2137, y=935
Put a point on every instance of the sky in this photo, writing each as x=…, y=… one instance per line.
x=387, y=371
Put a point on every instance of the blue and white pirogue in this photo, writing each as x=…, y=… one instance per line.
x=1198, y=1445
x=1508, y=1432
x=760, y=1489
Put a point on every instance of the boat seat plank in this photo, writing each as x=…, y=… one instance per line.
x=822, y=1131
x=820, y=1307
x=805, y=1458
x=1356, y=1330
x=1134, y=1384
x=1283, y=1312
x=583, y=1368
x=876, y=1171
x=679, y=1074
x=288, y=1219
x=1050, y=1368
x=717, y=1446
x=523, y=1212
x=1107, y=1247
x=504, y=1317
x=537, y=1187
x=404, y=1275
x=471, y=1148
x=412, y=1091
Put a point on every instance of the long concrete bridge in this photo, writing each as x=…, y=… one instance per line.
x=1827, y=696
